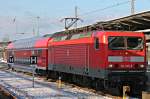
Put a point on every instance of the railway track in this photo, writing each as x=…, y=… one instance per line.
x=47, y=83
x=64, y=83
x=68, y=92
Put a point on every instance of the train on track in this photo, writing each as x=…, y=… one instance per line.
x=101, y=59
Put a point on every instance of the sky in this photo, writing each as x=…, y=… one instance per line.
x=18, y=18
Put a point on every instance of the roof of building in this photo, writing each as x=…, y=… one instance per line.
x=134, y=22
x=140, y=21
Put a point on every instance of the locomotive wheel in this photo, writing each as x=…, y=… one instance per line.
x=99, y=84
x=52, y=74
x=86, y=81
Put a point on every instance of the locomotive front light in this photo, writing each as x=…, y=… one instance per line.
x=110, y=65
x=142, y=66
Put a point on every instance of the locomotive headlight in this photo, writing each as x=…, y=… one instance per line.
x=142, y=66
x=110, y=65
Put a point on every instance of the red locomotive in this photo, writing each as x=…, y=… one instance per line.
x=106, y=58
x=96, y=58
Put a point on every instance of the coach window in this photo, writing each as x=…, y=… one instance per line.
x=39, y=52
x=33, y=52
x=96, y=43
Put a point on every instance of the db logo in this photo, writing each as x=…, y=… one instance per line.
x=126, y=59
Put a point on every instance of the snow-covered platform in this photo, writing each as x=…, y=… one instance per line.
x=20, y=86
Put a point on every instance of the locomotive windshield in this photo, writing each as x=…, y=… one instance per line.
x=122, y=43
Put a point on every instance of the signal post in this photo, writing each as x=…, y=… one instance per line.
x=33, y=62
x=11, y=61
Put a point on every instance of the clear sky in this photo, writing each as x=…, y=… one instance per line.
x=20, y=16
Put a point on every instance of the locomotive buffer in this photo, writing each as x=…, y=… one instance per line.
x=33, y=62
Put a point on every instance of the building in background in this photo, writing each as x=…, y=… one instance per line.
x=3, y=46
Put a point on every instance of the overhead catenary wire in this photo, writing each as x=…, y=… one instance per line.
x=102, y=9
x=94, y=11
x=105, y=8
x=56, y=23
x=97, y=10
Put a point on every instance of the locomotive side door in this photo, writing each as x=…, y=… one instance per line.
x=87, y=55
x=87, y=58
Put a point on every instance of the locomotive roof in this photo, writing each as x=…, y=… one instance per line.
x=93, y=34
x=36, y=42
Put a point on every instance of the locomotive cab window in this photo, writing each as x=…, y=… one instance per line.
x=125, y=43
x=96, y=43
x=135, y=43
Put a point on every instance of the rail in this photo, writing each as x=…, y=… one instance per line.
x=15, y=92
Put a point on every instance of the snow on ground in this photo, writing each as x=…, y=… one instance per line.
x=2, y=60
x=20, y=85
